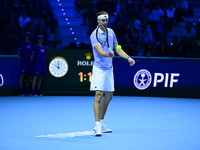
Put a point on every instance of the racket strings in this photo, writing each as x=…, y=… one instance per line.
x=105, y=39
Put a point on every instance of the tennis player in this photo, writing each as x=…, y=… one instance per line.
x=39, y=68
x=24, y=52
x=102, y=74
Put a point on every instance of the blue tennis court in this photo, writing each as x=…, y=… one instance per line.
x=67, y=122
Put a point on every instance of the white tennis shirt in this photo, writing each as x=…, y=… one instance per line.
x=103, y=63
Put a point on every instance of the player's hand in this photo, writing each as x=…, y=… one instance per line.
x=131, y=61
x=111, y=54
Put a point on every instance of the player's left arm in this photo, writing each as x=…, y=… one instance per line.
x=124, y=55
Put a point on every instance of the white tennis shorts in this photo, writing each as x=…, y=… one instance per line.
x=102, y=80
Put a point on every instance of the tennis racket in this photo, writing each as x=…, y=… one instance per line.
x=103, y=38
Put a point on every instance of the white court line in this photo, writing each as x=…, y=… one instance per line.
x=65, y=135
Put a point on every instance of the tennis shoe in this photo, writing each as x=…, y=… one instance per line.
x=104, y=129
x=97, y=130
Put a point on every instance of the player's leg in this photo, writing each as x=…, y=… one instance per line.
x=97, y=101
x=104, y=105
x=97, y=112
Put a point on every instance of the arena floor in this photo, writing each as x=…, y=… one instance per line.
x=67, y=122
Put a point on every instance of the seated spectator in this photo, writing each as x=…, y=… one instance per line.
x=19, y=11
x=162, y=50
x=35, y=19
x=145, y=35
x=182, y=8
x=15, y=3
x=4, y=8
x=145, y=3
x=121, y=17
x=53, y=26
x=196, y=53
x=136, y=22
x=164, y=40
x=170, y=17
x=16, y=7
x=57, y=41
x=160, y=30
x=193, y=51
x=188, y=34
x=133, y=12
x=132, y=34
x=197, y=37
x=2, y=36
x=148, y=50
x=72, y=45
x=31, y=10
x=92, y=20
x=155, y=15
x=40, y=4
x=23, y=20
x=52, y=23
x=173, y=46
x=82, y=45
x=45, y=10
x=180, y=51
x=125, y=9
x=102, y=5
x=131, y=38
x=144, y=13
x=150, y=4
x=112, y=5
x=10, y=16
x=78, y=7
x=12, y=38
x=119, y=31
x=144, y=21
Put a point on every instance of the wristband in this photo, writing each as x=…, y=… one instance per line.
x=128, y=57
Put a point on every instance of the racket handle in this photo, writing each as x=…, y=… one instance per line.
x=109, y=49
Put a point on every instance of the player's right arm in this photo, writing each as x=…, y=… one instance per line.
x=102, y=53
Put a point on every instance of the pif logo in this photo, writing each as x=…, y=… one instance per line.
x=142, y=79
x=1, y=80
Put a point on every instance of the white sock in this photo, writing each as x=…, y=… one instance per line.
x=101, y=121
x=98, y=123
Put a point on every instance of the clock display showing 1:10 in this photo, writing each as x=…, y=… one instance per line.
x=84, y=77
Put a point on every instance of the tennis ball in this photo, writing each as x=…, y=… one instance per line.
x=118, y=47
